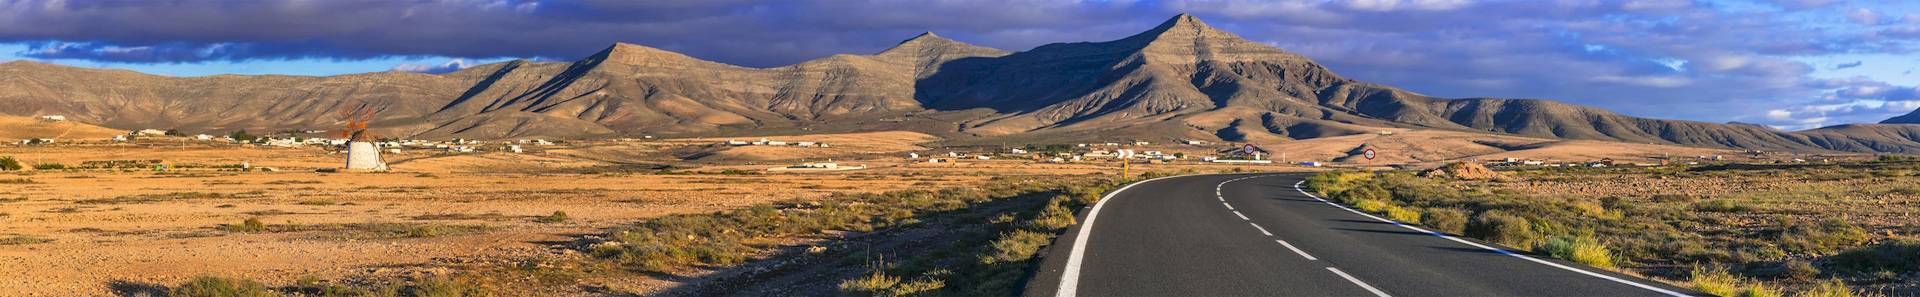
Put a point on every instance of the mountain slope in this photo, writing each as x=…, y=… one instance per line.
x=1182, y=79
x=637, y=89
x=1909, y=118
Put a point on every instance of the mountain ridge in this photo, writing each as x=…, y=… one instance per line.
x=1182, y=79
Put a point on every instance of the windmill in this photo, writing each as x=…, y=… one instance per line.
x=362, y=154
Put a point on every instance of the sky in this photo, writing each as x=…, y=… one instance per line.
x=1789, y=64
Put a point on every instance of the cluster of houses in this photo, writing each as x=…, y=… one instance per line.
x=1058, y=157
x=390, y=146
x=1601, y=163
x=766, y=142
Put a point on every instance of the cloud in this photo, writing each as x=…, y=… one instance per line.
x=449, y=66
x=1804, y=4
x=1668, y=59
x=1864, y=16
x=1849, y=65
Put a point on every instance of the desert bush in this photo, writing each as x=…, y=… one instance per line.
x=446, y=287
x=208, y=286
x=1761, y=290
x=1016, y=246
x=1444, y=220
x=1721, y=205
x=1503, y=228
x=1799, y=270
x=250, y=225
x=21, y=239
x=1828, y=288
x=9, y=164
x=1403, y=214
x=1714, y=280
x=17, y=181
x=1364, y=193
x=556, y=217
x=1054, y=217
x=1582, y=249
x=1897, y=256
x=877, y=283
x=1826, y=237
x=49, y=166
x=1369, y=205
x=1675, y=198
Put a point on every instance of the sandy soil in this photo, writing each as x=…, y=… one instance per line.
x=107, y=231
x=24, y=128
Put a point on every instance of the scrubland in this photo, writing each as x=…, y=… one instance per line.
x=1749, y=230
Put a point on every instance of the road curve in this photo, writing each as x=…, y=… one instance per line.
x=1259, y=235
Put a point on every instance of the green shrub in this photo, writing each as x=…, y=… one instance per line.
x=208, y=286
x=877, y=283
x=1584, y=250
x=1826, y=237
x=556, y=217
x=447, y=287
x=1370, y=205
x=1444, y=220
x=1363, y=193
x=1016, y=246
x=1761, y=290
x=21, y=239
x=1402, y=214
x=49, y=166
x=1828, y=288
x=1897, y=256
x=1503, y=228
x=1053, y=218
x=251, y=225
x=1721, y=205
x=9, y=164
x=1675, y=198
x=1714, y=280
x=1800, y=270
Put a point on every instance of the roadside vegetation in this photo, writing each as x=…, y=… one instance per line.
x=990, y=235
x=1729, y=231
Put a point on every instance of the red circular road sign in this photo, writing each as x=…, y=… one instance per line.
x=1367, y=153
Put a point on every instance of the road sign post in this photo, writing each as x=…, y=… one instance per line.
x=1126, y=156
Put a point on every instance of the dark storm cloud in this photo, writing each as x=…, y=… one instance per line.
x=753, y=33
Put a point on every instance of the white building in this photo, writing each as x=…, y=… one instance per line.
x=56, y=118
x=515, y=148
x=150, y=132
x=363, y=155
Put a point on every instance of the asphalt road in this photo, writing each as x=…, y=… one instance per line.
x=1259, y=235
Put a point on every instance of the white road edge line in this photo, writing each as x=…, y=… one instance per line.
x=1070, y=276
x=1229, y=206
x=1363, y=285
x=1296, y=187
x=1262, y=230
x=1296, y=250
x=1242, y=217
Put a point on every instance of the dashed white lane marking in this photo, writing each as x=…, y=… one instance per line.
x=1229, y=206
x=1262, y=230
x=1296, y=187
x=1296, y=250
x=1363, y=285
x=1242, y=217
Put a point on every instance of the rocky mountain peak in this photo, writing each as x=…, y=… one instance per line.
x=640, y=55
